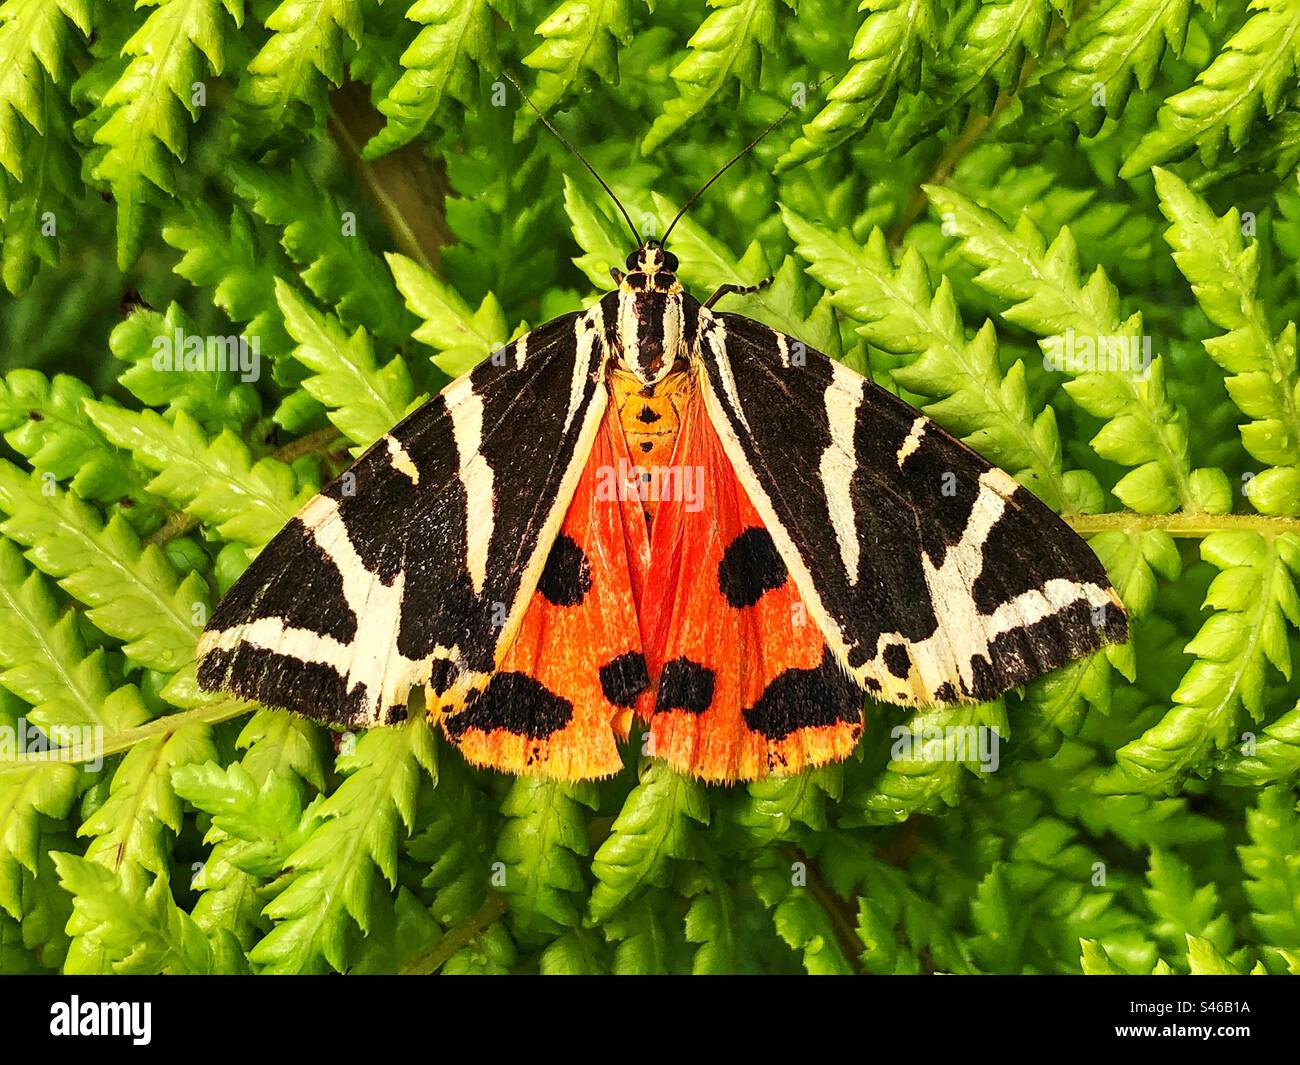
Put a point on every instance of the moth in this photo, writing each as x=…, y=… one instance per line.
x=655, y=510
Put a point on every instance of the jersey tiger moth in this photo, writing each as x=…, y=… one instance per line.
x=650, y=509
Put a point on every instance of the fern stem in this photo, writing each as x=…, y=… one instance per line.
x=406, y=186
x=118, y=742
x=457, y=938
x=971, y=133
x=1185, y=525
x=836, y=908
x=952, y=155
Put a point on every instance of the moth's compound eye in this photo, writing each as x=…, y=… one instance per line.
x=670, y=262
x=632, y=259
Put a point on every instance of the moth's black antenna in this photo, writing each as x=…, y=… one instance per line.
x=739, y=155
x=561, y=138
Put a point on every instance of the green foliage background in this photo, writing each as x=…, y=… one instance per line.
x=333, y=179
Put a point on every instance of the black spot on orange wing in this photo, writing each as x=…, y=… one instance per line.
x=623, y=678
x=685, y=685
x=516, y=703
x=806, y=698
x=750, y=568
x=566, y=580
x=724, y=603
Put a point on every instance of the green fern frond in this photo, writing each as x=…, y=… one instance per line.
x=800, y=920
x=171, y=363
x=45, y=660
x=538, y=849
x=498, y=216
x=575, y=953
x=453, y=846
x=652, y=829
x=712, y=923
x=923, y=776
x=886, y=55
x=996, y=41
x=579, y=40
x=1254, y=597
x=288, y=78
x=1145, y=429
x=775, y=806
x=461, y=336
x=131, y=825
x=259, y=801
x=133, y=923
x=643, y=947
x=323, y=238
x=970, y=395
x=1254, y=70
x=354, y=843
x=1271, y=863
x=37, y=164
x=150, y=107
x=728, y=45
x=1112, y=48
x=35, y=40
x=24, y=799
x=215, y=480
x=239, y=268
x=44, y=421
x=132, y=591
x=1223, y=272
x=362, y=399
x=1269, y=758
x=1181, y=908
x=456, y=39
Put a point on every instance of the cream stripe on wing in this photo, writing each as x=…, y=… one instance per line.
x=716, y=334
x=399, y=458
x=588, y=329
x=839, y=461
x=466, y=410
x=912, y=442
x=965, y=634
x=378, y=608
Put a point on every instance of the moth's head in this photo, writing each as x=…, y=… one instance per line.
x=651, y=268
x=651, y=258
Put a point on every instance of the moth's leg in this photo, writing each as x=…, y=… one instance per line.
x=617, y=275
x=737, y=290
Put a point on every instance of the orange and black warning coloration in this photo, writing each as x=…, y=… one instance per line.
x=650, y=510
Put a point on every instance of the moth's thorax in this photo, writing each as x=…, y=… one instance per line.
x=651, y=418
x=649, y=333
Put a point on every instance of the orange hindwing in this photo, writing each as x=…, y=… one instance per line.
x=566, y=689
x=746, y=685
